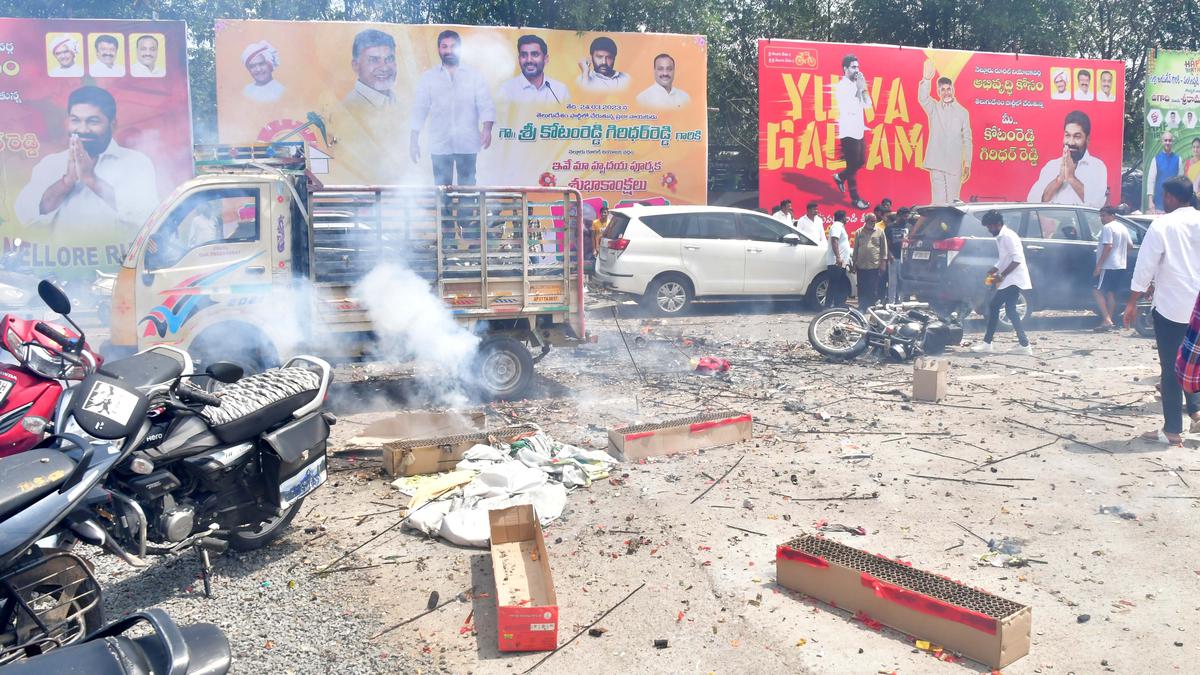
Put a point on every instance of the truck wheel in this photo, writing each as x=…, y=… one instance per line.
x=504, y=367
x=668, y=295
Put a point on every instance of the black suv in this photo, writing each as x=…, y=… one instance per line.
x=949, y=251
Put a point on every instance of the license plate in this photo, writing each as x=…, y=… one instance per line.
x=299, y=486
x=920, y=255
x=5, y=387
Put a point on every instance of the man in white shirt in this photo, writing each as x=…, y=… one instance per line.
x=532, y=85
x=1112, y=278
x=948, y=155
x=837, y=261
x=1083, y=85
x=784, y=213
x=1169, y=259
x=663, y=94
x=457, y=99
x=1059, y=84
x=373, y=58
x=95, y=187
x=105, y=63
x=147, y=58
x=599, y=72
x=1076, y=177
x=810, y=224
x=1010, y=276
x=852, y=101
x=261, y=60
x=1106, y=92
x=66, y=51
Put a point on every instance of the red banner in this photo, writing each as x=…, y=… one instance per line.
x=848, y=125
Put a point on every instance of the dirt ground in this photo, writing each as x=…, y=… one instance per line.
x=1108, y=593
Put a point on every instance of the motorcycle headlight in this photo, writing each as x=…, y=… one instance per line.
x=41, y=361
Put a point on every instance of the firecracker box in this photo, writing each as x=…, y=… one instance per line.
x=526, y=606
x=930, y=378
x=680, y=435
x=968, y=621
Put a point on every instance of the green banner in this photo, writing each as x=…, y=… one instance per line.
x=1172, y=145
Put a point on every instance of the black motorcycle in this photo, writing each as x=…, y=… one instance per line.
x=901, y=331
x=141, y=462
x=170, y=649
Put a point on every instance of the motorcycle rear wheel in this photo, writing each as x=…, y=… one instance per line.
x=840, y=332
x=267, y=532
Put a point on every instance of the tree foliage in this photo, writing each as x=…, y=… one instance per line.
x=1112, y=29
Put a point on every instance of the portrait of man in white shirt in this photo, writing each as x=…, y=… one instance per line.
x=1083, y=85
x=95, y=185
x=663, y=94
x=533, y=85
x=1075, y=177
x=104, y=60
x=65, y=50
x=261, y=60
x=457, y=101
x=146, y=64
x=1106, y=93
x=599, y=71
x=1060, y=84
x=373, y=59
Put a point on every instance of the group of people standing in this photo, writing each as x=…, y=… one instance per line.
x=874, y=258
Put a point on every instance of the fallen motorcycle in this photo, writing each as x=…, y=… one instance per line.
x=899, y=331
x=188, y=650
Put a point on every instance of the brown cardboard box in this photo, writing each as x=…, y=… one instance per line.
x=526, y=605
x=974, y=623
x=930, y=377
x=418, y=442
x=681, y=435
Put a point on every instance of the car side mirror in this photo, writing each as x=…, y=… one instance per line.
x=225, y=372
x=791, y=239
x=54, y=297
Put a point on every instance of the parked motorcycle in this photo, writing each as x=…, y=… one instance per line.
x=900, y=331
x=140, y=457
x=188, y=650
x=29, y=390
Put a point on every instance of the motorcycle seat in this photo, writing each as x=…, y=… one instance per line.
x=29, y=476
x=146, y=368
x=258, y=402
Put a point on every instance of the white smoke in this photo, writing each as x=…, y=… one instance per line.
x=413, y=324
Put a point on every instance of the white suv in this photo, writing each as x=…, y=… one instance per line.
x=668, y=256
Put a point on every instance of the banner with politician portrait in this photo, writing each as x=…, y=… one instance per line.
x=620, y=116
x=96, y=129
x=847, y=125
x=1172, y=146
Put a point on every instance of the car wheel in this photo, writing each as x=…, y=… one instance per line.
x=1024, y=310
x=818, y=292
x=668, y=295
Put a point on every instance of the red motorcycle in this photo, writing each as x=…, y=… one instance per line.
x=30, y=390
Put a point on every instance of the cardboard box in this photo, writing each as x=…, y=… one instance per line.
x=974, y=623
x=420, y=442
x=526, y=606
x=930, y=377
x=681, y=435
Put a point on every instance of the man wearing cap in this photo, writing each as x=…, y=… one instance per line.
x=105, y=63
x=1060, y=88
x=93, y=185
x=261, y=60
x=66, y=51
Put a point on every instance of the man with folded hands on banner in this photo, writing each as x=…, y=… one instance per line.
x=1076, y=177
x=948, y=155
x=261, y=60
x=457, y=101
x=93, y=184
x=852, y=100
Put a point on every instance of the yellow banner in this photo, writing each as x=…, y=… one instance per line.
x=620, y=116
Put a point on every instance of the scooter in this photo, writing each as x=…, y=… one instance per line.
x=30, y=390
x=187, y=650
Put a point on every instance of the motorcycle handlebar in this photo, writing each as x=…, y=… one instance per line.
x=52, y=333
x=192, y=395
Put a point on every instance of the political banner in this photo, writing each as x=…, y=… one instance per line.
x=1172, y=141
x=96, y=130
x=621, y=117
x=848, y=125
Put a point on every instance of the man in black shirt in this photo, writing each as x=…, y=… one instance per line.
x=895, y=230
